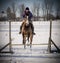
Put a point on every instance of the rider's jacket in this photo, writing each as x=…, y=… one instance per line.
x=29, y=14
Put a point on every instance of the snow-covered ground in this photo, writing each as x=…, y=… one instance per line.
x=41, y=30
x=38, y=53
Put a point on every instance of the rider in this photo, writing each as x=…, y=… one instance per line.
x=29, y=14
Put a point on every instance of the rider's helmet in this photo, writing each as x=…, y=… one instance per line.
x=27, y=11
x=27, y=8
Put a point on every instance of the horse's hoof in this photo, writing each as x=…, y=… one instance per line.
x=30, y=46
x=27, y=44
x=24, y=47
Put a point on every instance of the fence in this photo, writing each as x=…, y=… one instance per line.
x=12, y=27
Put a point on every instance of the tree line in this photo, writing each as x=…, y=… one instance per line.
x=50, y=10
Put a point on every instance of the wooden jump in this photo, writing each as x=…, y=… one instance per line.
x=50, y=42
x=28, y=44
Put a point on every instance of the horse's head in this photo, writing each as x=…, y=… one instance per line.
x=27, y=21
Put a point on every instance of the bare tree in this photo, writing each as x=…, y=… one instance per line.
x=48, y=7
x=57, y=9
x=43, y=9
x=33, y=9
x=22, y=8
x=8, y=13
x=36, y=8
x=14, y=10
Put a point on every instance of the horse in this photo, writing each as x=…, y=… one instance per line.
x=27, y=32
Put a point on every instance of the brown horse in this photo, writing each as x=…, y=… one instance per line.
x=27, y=32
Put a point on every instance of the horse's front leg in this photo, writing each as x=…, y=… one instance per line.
x=24, y=41
x=31, y=37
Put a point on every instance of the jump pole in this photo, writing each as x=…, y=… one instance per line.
x=49, y=42
x=9, y=44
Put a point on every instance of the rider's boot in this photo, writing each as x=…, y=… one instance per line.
x=34, y=33
x=20, y=29
x=20, y=32
x=32, y=29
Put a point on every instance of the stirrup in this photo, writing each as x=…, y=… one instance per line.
x=33, y=33
x=20, y=32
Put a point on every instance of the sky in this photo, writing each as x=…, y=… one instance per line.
x=4, y=4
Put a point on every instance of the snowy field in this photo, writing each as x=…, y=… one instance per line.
x=41, y=30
